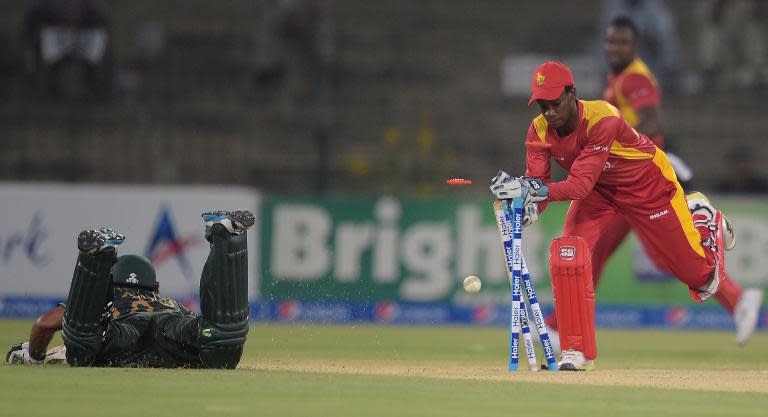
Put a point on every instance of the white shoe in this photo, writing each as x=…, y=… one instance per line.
x=746, y=313
x=573, y=360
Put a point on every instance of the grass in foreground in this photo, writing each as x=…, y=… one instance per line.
x=62, y=391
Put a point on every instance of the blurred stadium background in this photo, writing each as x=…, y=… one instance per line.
x=326, y=106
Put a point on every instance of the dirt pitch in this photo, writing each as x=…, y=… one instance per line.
x=685, y=379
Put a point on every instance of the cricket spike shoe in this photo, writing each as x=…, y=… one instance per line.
x=236, y=222
x=714, y=243
x=94, y=241
x=746, y=313
x=721, y=238
x=573, y=360
x=703, y=212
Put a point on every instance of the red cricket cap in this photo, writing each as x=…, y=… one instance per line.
x=548, y=81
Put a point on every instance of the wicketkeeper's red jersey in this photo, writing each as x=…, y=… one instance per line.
x=614, y=170
x=603, y=150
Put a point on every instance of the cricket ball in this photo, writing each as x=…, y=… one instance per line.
x=472, y=284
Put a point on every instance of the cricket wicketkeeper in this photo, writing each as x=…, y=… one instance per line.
x=114, y=315
x=612, y=171
x=633, y=90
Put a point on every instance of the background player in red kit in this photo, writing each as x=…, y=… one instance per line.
x=633, y=90
x=612, y=171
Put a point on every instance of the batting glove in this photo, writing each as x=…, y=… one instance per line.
x=19, y=354
x=56, y=354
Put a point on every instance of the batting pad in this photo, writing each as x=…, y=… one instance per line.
x=224, y=282
x=82, y=325
x=571, y=271
x=224, y=300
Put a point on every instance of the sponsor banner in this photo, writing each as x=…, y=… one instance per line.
x=40, y=224
x=359, y=250
x=17, y=307
x=409, y=250
x=378, y=260
x=693, y=317
x=392, y=312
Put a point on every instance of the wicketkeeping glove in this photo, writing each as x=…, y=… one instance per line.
x=19, y=354
x=530, y=214
x=505, y=187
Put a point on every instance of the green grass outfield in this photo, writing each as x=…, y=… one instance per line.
x=307, y=370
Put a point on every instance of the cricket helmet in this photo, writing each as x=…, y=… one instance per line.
x=134, y=271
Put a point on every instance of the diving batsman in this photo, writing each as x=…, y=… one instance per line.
x=115, y=316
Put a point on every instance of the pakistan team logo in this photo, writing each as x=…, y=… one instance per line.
x=132, y=278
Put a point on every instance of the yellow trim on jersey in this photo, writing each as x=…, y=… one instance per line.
x=679, y=203
x=541, y=125
x=627, y=153
x=597, y=110
x=627, y=111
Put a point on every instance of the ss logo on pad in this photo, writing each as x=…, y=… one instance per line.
x=567, y=253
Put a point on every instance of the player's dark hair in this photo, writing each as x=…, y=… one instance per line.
x=625, y=22
x=568, y=89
